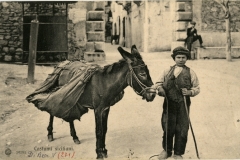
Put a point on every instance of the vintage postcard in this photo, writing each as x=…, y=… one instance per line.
x=120, y=80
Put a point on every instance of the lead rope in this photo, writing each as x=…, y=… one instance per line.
x=143, y=86
x=166, y=128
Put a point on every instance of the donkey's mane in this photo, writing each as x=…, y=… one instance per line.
x=115, y=66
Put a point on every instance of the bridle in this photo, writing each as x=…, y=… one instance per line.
x=132, y=75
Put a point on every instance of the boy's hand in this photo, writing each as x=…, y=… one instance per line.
x=161, y=92
x=186, y=92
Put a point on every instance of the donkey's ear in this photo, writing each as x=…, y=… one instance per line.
x=135, y=52
x=133, y=47
x=127, y=56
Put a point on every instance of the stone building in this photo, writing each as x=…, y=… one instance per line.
x=159, y=25
x=147, y=24
x=79, y=29
x=67, y=30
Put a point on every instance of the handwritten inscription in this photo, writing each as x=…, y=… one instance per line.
x=58, y=155
x=62, y=155
x=40, y=154
x=60, y=152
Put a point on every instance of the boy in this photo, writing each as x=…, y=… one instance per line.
x=192, y=36
x=175, y=83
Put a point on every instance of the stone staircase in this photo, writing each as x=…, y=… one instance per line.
x=183, y=14
x=95, y=29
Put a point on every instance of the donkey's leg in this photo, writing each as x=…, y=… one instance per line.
x=105, y=120
x=73, y=133
x=99, y=132
x=50, y=129
x=101, y=116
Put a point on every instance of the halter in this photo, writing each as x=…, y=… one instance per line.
x=133, y=75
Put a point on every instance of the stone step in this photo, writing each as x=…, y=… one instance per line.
x=184, y=6
x=217, y=52
x=188, y=6
x=95, y=5
x=95, y=36
x=180, y=36
x=96, y=16
x=180, y=6
x=94, y=56
x=181, y=26
x=183, y=16
x=95, y=26
x=95, y=46
x=99, y=5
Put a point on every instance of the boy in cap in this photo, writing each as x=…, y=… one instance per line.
x=175, y=83
x=192, y=36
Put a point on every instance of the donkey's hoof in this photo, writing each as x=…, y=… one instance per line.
x=101, y=153
x=104, y=153
x=99, y=156
x=50, y=138
x=76, y=141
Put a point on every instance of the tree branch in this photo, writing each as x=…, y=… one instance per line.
x=225, y=6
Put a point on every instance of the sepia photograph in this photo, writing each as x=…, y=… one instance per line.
x=119, y=80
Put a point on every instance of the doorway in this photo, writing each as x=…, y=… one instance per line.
x=52, y=43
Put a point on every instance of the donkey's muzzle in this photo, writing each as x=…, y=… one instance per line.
x=150, y=94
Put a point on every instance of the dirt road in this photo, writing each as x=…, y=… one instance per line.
x=134, y=130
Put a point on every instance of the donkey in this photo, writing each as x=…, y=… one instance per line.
x=105, y=88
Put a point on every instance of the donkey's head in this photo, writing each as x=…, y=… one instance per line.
x=138, y=77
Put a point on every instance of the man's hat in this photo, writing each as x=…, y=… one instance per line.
x=193, y=23
x=180, y=51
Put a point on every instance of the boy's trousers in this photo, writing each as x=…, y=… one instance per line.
x=178, y=126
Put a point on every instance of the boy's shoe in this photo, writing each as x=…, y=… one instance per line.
x=177, y=156
x=164, y=155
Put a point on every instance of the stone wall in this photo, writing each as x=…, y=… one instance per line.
x=10, y=31
x=44, y=9
x=77, y=29
x=211, y=24
x=160, y=25
x=213, y=16
x=137, y=20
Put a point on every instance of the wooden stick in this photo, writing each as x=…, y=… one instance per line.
x=32, y=50
x=195, y=142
